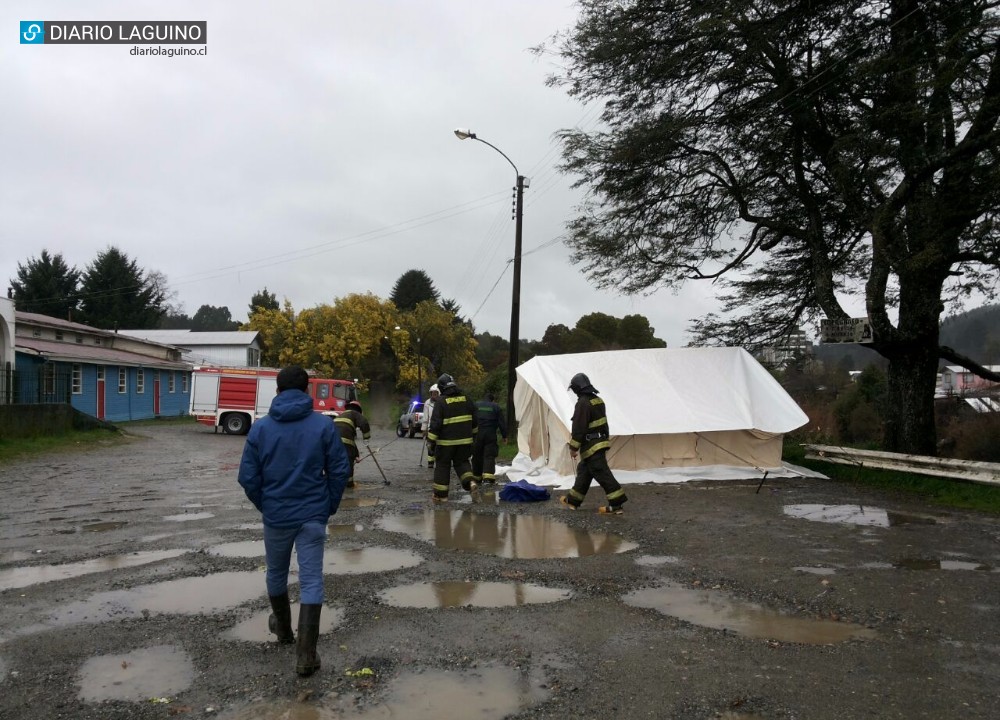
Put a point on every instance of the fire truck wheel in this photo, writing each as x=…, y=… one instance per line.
x=236, y=424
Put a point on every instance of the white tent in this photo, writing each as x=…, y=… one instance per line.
x=687, y=408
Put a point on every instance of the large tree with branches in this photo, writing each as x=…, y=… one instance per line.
x=798, y=152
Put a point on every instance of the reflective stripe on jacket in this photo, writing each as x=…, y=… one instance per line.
x=348, y=423
x=454, y=420
x=590, y=431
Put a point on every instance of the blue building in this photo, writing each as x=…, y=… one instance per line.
x=101, y=373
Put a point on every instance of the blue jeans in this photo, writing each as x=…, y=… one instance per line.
x=308, y=540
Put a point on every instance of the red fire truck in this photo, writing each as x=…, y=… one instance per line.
x=233, y=398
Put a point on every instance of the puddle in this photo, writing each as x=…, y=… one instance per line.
x=188, y=516
x=187, y=596
x=159, y=671
x=341, y=530
x=489, y=692
x=104, y=526
x=657, y=560
x=856, y=515
x=714, y=609
x=477, y=594
x=843, y=514
x=25, y=576
x=354, y=561
x=507, y=535
x=358, y=502
x=814, y=570
x=927, y=564
x=254, y=629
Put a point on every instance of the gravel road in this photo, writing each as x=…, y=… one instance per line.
x=131, y=586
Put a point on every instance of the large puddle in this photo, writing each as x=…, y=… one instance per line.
x=927, y=564
x=713, y=609
x=25, y=576
x=489, y=692
x=349, y=503
x=254, y=629
x=477, y=594
x=336, y=561
x=187, y=517
x=159, y=671
x=856, y=515
x=508, y=535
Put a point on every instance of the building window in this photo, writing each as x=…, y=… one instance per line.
x=184, y=382
x=171, y=381
x=966, y=378
x=79, y=339
x=59, y=334
x=253, y=357
x=36, y=333
x=77, y=380
x=49, y=378
x=100, y=372
x=122, y=380
x=140, y=381
x=97, y=341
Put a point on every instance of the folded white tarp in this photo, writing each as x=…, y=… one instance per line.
x=689, y=407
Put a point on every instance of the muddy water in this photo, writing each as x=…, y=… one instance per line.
x=336, y=561
x=489, y=692
x=186, y=517
x=25, y=576
x=927, y=564
x=447, y=594
x=856, y=515
x=104, y=526
x=254, y=629
x=158, y=671
x=506, y=535
x=714, y=609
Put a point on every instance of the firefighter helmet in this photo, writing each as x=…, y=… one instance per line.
x=354, y=405
x=445, y=381
x=434, y=388
x=581, y=383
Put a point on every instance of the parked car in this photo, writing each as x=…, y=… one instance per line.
x=409, y=421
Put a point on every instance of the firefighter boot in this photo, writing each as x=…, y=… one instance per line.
x=280, y=620
x=307, y=661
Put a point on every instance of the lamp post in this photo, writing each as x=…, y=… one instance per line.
x=515, y=301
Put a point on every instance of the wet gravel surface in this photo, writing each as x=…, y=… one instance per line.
x=922, y=592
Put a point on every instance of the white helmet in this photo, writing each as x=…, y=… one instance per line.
x=434, y=388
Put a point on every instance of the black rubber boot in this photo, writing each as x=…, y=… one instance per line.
x=280, y=620
x=307, y=661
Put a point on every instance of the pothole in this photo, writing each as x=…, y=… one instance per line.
x=450, y=594
x=25, y=576
x=716, y=610
x=488, y=692
x=506, y=535
x=254, y=629
x=104, y=526
x=156, y=671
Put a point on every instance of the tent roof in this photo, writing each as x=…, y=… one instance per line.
x=667, y=390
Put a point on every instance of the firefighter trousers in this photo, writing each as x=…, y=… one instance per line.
x=445, y=458
x=596, y=468
x=484, y=456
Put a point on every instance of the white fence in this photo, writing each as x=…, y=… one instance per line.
x=970, y=470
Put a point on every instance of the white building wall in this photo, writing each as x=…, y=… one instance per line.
x=228, y=355
x=6, y=333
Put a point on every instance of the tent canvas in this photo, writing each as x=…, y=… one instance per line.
x=667, y=408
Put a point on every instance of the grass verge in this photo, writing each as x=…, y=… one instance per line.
x=935, y=490
x=75, y=440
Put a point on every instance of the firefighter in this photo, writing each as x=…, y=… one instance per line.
x=348, y=423
x=425, y=421
x=451, y=432
x=489, y=418
x=591, y=440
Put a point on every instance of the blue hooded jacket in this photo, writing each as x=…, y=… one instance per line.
x=294, y=467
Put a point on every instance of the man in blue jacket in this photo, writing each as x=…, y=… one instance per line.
x=294, y=470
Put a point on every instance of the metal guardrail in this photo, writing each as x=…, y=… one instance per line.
x=969, y=470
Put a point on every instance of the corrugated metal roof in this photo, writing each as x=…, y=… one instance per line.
x=70, y=352
x=192, y=339
x=36, y=319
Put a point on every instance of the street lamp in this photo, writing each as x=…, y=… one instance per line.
x=515, y=301
x=420, y=381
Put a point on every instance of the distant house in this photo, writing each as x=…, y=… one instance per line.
x=236, y=348
x=101, y=373
x=956, y=380
x=793, y=346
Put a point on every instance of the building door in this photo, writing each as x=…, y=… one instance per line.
x=100, y=392
x=156, y=395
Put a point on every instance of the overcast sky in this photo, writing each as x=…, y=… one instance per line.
x=311, y=151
